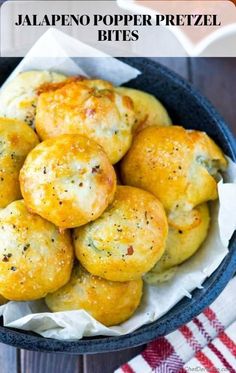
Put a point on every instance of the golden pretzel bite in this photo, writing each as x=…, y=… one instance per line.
x=127, y=240
x=16, y=141
x=177, y=165
x=148, y=110
x=91, y=108
x=109, y=302
x=18, y=99
x=35, y=258
x=68, y=180
x=181, y=244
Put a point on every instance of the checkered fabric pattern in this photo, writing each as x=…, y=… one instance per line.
x=205, y=344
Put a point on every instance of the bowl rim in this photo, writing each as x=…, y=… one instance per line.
x=158, y=328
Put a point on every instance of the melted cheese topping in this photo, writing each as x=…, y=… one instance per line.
x=91, y=108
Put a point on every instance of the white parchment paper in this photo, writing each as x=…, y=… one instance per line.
x=157, y=300
x=52, y=51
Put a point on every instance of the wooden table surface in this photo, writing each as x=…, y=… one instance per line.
x=216, y=79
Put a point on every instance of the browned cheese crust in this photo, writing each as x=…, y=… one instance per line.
x=91, y=108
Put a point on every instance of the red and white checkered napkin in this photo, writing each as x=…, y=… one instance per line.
x=205, y=344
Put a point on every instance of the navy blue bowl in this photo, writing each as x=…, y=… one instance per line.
x=188, y=108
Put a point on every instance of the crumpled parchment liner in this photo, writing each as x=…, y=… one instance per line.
x=157, y=300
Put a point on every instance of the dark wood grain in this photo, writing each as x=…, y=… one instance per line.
x=108, y=362
x=37, y=362
x=9, y=359
x=216, y=79
x=179, y=65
